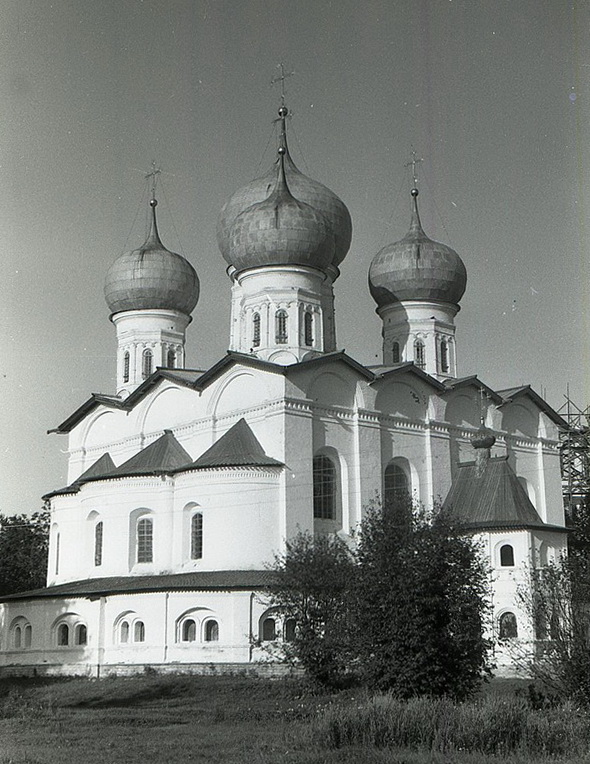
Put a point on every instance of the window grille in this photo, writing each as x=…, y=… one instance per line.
x=126, y=361
x=145, y=537
x=508, y=626
x=419, y=354
x=308, y=328
x=98, y=544
x=281, y=327
x=171, y=359
x=147, y=363
x=269, y=630
x=197, y=537
x=444, y=356
x=324, y=488
x=395, y=355
x=256, y=330
x=395, y=484
x=81, y=634
x=63, y=635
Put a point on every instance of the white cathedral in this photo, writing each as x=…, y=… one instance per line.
x=184, y=483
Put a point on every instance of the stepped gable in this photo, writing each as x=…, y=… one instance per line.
x=494, y=499
x=238, y=447
x=164, y=455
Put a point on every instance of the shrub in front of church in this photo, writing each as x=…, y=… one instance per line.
x=312, y=586
x=24, y=544
x=403, y=612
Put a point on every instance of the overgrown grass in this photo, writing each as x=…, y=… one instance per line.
x=491, y=725
x=162, y=719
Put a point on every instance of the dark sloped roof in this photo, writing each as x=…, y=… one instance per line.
x=496, y=499
x=406, y=367
x=224, y=580
x=238, y=447
x=101, y=467
x=162, y=456
x=510, y=394
x=473, y=381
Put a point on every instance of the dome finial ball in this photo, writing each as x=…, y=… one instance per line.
x=153, y=202
x=283, y=111
x=414, y=192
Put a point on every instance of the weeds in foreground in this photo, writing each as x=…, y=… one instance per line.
x=490, y=725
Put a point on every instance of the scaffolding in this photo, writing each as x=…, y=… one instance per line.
x=575, y=456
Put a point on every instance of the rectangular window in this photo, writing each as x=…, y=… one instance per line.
x=145, y=540
x=98, y=544
x=197, y=537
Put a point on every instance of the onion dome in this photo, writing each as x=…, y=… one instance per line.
x=281, y=230
x=417, y=268
x=151, y=277
x=303, y=188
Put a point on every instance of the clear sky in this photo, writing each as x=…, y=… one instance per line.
x=493, y=94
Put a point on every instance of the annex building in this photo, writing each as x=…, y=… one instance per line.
x=183, y=483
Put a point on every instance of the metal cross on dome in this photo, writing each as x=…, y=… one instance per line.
x=281, y=78
x=414, y=161
x=153, y=174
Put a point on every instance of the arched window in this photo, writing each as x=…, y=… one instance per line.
x=63, y=635
x=57, y=554
x=189, y=630
x=124, y=632
x=419, y=354
x=139, y=632
x=444, y=356
x=145, y=531
x=506, y=556
x=147, y=363
x=281, y=335
x=17, y=637
x=395, y=354
x=98, y=544
x=324, y=488
x=290, y=624
x=197, y=536
x=171, y=359
x=395, y=485
x=256, y=330
x=308, y=328
x=269, y=630
x=508, y=627
x=211, y=631
x=28, y=635
x=81, y=635
x=126, y=360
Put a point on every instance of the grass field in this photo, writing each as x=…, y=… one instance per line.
x=163, y=720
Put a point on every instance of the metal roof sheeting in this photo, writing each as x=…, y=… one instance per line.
x=238, y=447
x=496, y=499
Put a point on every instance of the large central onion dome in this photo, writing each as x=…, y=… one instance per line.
x=304, y=189
x=281, y=230
x=416, y=268
x=151, y=277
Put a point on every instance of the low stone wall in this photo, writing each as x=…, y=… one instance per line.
x=262, y=670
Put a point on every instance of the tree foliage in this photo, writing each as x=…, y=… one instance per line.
x=404, y=611
x=557, y=599
x=24, y=544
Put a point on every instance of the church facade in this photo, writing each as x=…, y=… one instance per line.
x=184, y=484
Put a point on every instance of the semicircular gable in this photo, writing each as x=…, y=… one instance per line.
x=241, y=391
x=330, y=389
x=463, y=410
x=169, y=407
x=100, y=430
x=519, y=419
x=403, y=400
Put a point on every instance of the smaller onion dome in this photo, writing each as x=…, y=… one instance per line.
x=281, y=230
x=151, y=278
x=305, y=189
x=417, y=268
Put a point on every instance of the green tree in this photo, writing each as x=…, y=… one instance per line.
x=421, y=597
x=24, y=544
x=312, y=583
